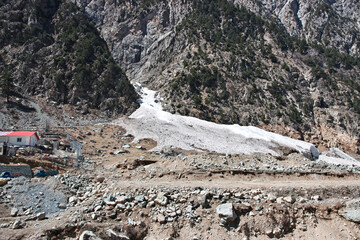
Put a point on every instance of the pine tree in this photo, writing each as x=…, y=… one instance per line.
x=6, y=84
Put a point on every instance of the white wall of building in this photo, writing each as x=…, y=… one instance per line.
x=20, y=141
x=33, y=140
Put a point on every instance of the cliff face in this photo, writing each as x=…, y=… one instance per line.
x=333, y=23
x=54, y=53
x=287, y=66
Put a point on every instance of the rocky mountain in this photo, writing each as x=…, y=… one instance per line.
x=54, y=54
x=291, y=67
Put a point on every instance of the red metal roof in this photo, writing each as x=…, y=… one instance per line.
x=22, y=134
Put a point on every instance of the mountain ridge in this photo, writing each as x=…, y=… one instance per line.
x=55, y=53
x=267, y=76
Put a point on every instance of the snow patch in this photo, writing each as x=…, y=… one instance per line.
x=189, y=133
x=336, y=156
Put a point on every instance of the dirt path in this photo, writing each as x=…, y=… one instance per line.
x=243, y=182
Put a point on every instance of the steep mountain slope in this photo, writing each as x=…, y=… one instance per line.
x=332, y=23
x=280, y=65
x=55, y=53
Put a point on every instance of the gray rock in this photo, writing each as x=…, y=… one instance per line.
x=100, y=179
x=28, y=212
x=62, y=206
x=88, y=235
x=73, y=199
x=116, y=236
x=161, y=200
x=139, y=198
x=4, y=225
x=352, y=211
x=41, y=216
x=14, y=212
x=121, y=199
x=18, y=224
x=161, y=218
x=226, y=211
x=289, y=199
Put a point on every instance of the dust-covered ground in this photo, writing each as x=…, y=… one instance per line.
x=126, y=191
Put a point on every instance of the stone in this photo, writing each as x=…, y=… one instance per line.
x=139, y=198
x=167, y=150
x=150, y=204
x=116, y=236
x=161, y=200
x=243, y=208
x=28, y=212
x=352, y=211
x=88, y=235
x=41, y=216
x=17, y=224
x=3, y=182
x=73, y=199
x=161, y=218
x=120, y=206
x=121, y=199
x=14, y=212
x=226, y=211
x=271, y=197
x=4, y=225
x=100, y=179
x=269, y=232
x=289, y=199
x=277, y=232
x=204, y=201
x=97, y=208
x=109, y=202
x=62, y=206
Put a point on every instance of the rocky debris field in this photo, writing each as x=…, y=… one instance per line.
x=100, y=208
x=123, y=191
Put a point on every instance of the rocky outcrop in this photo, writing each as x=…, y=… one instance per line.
x=333, y=23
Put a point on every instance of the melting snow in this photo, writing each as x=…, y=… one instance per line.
x=190, y=133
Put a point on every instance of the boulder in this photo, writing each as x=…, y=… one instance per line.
x=226, y=211
x=352, y=211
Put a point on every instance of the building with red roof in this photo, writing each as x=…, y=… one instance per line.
x=20, y=138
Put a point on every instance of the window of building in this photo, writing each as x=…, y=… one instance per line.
x=18, y=140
